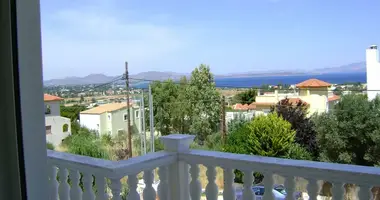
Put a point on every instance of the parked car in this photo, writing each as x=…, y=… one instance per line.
x=278, y=191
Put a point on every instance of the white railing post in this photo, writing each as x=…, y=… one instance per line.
x=179, y=171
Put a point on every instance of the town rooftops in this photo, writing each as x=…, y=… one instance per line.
x=48, y=97
x=313, y=83
x=105, y=108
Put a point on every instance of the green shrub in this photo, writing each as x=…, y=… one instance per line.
x=50, y=146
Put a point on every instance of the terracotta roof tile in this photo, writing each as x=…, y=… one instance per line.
x=313, y=83
x=105, y=108
x=334, y=98
x=48, y=97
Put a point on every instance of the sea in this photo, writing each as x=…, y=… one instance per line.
x=334, y=78
x=246, y=82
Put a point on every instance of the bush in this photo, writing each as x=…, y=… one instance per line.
x=50, y=146
x=87, y=145
x=269, y=135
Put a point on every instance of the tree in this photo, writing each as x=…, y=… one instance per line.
x=350, y=133
x=181, y=108
x=204, y=103
x=81, y=99
x=296, y=115
x=164, y=101
x=269, y=135
x=246, y=97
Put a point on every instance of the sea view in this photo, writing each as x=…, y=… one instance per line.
x=274, y=80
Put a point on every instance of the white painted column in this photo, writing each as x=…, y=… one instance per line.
x=179, y=171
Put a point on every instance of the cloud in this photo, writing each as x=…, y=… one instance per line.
x=99, y=38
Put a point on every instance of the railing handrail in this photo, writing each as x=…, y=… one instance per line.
x=110, y=168
x=301, y=168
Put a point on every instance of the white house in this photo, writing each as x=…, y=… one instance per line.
x=57, y=127
x=110, y=118
x=373, y=71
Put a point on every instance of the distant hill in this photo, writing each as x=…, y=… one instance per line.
x=350, y=68
x=101, y=78
x=156, y=75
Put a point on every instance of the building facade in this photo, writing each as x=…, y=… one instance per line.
x=373, y=71
x=315, y=93
x=57, y=127
x=111, y=118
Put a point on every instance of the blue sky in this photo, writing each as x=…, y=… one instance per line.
x=96, y=36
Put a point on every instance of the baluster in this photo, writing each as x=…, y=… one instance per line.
x=338, y=191
x=132, y=184
x=163, y=187
x=195, y=185
x=268, y=185
x=365, y=192
x=149, y=193
x=64, y=188
x=115, y=188
x=211, y=188
x=229, y=189
x=53, y=183
x=87, y=183
x=312, y=189
x=248, y=181
x=101, y=188
x=75, y=191
x=290, y=187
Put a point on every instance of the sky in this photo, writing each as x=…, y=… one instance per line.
x=85, y=37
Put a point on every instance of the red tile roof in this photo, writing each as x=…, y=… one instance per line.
x=296, y=100
x=313, y=83
x=48, y=97
x=334, y=98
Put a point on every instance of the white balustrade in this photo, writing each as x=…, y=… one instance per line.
x=248, y=181
x=195, y=185
x=87, y=183
x=101, y=188
x=132, y=184
x=163, y=187
x=149, y=192
x=75, y=191
x=229, y=189
x=64, y=188
x=211, y=188
x=179, y=182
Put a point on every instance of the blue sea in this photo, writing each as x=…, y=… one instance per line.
x=338, y=78
x=294, y=79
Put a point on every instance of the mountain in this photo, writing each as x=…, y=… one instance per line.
x=359, y=67
x=101, y=78
x=90, y=79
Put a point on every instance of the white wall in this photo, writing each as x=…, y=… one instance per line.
x=57, y=134
x=90, y=121
x=373, y=71
x=54, y=108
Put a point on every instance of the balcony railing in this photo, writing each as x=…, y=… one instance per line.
x=81, y=177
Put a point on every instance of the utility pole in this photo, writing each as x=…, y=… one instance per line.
x=151, y=119
x=129, y=113
x=223, y=118
x=143, y=123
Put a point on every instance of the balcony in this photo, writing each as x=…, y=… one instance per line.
x=178, y=172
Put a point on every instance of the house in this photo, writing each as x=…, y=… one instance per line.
x=110, y=118
x=57, y=127
x=316, y=93
x=373, y=71
x=30, y=171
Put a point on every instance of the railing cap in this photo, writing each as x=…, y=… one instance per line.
x=177, y=142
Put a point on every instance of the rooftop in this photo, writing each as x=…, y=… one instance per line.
x=48, y=97
x=105, y=108
x=313, y=83
x=334, y=98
